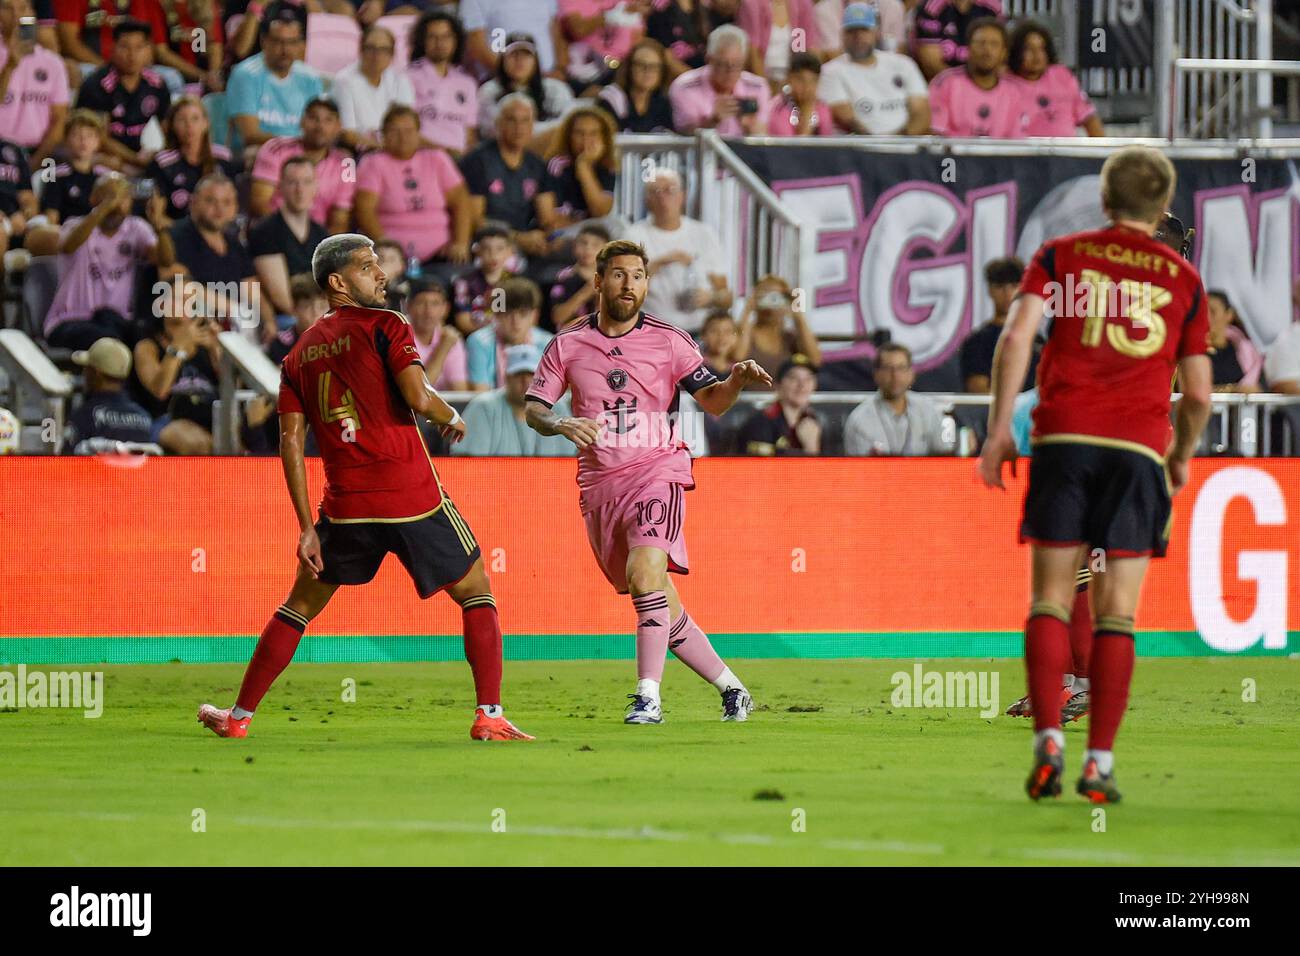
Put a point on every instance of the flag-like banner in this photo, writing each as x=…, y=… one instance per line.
x=902, y=240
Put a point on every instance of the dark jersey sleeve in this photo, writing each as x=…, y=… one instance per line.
x=395, y=343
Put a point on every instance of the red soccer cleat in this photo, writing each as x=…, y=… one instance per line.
x=221, y=723
x=495, y=728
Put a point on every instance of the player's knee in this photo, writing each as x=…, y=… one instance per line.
x=644, y=578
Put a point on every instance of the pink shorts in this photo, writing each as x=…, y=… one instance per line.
x=647, y=517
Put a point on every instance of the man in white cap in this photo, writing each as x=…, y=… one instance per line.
x=108, y=411
x=869, y=90
x=495, y=419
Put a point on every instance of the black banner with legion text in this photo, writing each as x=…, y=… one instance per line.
x=902, y=239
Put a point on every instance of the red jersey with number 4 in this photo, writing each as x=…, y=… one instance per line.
x=342, y=374
x=1125, y=308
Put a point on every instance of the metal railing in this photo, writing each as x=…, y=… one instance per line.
x=759, y=233
x=1221, y=102
x=242, y=363
x=1240, y=424
x=1224, y=113
x=38, y=392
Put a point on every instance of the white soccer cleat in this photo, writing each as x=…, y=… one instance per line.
x=737, y=705
x=643, y=710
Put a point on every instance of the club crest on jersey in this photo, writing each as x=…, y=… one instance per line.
x=621, y=415
x=616, y=379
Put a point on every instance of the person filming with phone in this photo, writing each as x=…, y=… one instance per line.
x=722, y=94
x=34, y=91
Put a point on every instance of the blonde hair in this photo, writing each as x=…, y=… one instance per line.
x=1137, y=182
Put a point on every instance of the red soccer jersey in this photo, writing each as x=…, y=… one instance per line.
x=1125, y=308
x=342, y=375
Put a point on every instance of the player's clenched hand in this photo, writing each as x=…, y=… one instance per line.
x=453, y=431
x=309, y=552
x=1177, y=474
x=750, y=371
x=581, y=431
x=999, y=448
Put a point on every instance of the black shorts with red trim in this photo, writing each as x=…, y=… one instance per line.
x=1104, y=496
x=437, y=550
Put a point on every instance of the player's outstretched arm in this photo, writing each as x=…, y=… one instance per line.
x=543, y=420
x=1010, y=364
x=425, y=400
x=717, y=399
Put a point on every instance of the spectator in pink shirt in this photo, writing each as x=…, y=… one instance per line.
x=335, y=172
x=441, y=348
x=1055, y=103
x=446, y=95
x=601, y=34
x=98, y=255
x=415, y=196
x=978, y=99
x=722, y=95
x=797, y=111
x=34, y=91
x=944, y=29
x=780, y=28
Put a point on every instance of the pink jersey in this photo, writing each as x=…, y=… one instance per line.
x=412, y=195
x=448, y=105
x=101, y=273
x=692, y=97
x=630, y=383
x=958, y=107
x=783, y=120
x=615, y=38
x=336, y=178
x=39, y=81
x=455, y=367
x=1055, y=103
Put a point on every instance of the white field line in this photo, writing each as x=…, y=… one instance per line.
x=655, y=835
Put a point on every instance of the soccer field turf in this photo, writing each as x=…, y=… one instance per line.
x=394, y=778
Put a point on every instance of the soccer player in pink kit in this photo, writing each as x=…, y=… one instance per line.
x=625, y=370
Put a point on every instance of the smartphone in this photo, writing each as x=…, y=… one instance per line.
x=748, y=106
x=27, y=29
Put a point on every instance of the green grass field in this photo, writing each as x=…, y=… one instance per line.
x=394, y=779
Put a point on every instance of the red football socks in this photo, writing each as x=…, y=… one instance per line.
x=1047, y=656
x=1112, y=672
x=483, y=646
x=275, y=649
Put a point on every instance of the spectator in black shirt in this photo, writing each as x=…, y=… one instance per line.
x=282, y=244
x=129, y=92
x=572, y=294
x=789, y=426
x=17, y=201
x=508, y=183
x=943, y=31
x=107, y=411
x=682, y=28
x=309, y=304
x=179, y=367
x=68, y=194
x=1003, y=279
x=582, y=162
x=210, y=250
x=188, y=156
x=638, y=97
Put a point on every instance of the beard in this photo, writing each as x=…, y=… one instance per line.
x=863, y=54
x=375, y=300
x=619, y=310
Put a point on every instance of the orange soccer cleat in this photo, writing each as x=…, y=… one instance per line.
x=221, y=723
x=495, y=728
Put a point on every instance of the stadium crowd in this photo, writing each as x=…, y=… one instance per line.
x=217, y=143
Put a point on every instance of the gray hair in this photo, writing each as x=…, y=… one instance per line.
x=727, y=35
x=510, y=99
x=334, y=254
x=213, y=179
